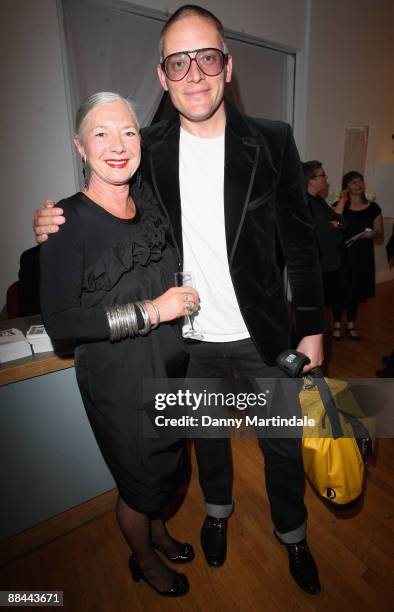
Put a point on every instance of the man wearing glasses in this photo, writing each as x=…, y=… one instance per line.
x=329, y=225
x=233, y=190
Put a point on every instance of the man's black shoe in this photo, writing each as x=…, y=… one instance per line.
x=303, y=567
x=387, y=358
x=387, y=372
x=214, y=540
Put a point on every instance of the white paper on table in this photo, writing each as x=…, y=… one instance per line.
x=39, y=339
x=13, y=345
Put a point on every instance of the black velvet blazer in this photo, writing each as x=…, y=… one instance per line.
x=267, y=220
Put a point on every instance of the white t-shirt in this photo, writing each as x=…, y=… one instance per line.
x=201, y=180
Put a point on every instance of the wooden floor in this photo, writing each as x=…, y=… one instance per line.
x=354, y=552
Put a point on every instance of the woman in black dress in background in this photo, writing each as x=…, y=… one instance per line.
x=357, y=274
x=99, y=277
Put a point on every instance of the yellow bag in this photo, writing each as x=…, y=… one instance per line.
x=334, y=449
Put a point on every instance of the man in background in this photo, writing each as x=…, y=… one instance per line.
x=329, y=225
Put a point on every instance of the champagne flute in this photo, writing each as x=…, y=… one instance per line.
x=188, y=331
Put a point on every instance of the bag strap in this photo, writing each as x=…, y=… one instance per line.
x=328, y=402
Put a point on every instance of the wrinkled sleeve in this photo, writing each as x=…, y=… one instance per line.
x=325, y=232
x=62, y=269
x=296, y=232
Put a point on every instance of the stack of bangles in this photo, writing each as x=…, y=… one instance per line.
x=123, y=320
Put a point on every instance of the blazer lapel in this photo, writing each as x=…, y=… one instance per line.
x=241, y=159
x=164, y=169
x=249, y=173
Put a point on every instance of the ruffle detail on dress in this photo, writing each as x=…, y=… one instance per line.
x=144, y=247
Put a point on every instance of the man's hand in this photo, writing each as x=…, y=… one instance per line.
x=46, y=220
x=312, y=347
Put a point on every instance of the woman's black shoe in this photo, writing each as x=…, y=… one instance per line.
x=336, y=331
x=180, y=585
x=185, y=553
x=351, y=331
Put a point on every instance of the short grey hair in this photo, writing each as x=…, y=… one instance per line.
x=101, y=97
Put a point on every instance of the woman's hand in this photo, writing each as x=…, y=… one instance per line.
x=343, y=198
x=175, y=302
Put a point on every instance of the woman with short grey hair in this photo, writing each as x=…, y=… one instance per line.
x=107, y=282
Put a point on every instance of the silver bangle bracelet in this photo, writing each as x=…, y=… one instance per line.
x=156, y=309
x=147, y=323
x=122, y=321
x=132, y=323
x=111, y=317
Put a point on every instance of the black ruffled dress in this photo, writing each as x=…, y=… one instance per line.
x=97, y=259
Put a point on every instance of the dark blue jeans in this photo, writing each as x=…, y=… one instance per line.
x=284, y=471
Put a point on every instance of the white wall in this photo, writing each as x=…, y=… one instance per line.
x=35, y=152
x=351, y=82
x=279, y=21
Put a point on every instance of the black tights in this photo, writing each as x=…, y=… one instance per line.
x=351, y=309
x=141, y=534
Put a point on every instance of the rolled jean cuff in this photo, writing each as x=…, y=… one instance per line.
x=292, y=537
x=219, y=512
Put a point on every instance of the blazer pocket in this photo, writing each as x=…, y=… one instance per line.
x=257, y=202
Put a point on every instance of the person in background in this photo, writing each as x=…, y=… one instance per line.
x=329, y=226
x=388, y=370
x=106, y=280
x=388, y=360
x=364, y=229
x=390, y=250
x=29, y=283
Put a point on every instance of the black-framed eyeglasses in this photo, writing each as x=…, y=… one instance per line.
x=319, y=175
x=210, y=61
